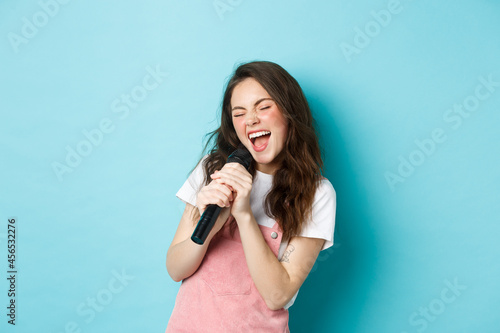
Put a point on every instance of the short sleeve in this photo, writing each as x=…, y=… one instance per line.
x=192, y=185
x=322, y=223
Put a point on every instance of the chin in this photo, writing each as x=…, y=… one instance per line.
x=265, y=160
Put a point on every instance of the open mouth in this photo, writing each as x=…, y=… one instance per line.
x=259, y=139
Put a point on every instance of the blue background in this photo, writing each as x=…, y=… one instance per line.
x=398, y=247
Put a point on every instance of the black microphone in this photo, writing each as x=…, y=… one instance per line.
x=207, y=220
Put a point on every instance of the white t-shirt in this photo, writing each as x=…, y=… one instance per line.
x=322, y=222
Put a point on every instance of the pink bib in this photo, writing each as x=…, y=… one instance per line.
x=221, y=296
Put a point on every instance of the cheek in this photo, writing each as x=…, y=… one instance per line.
x=284, y=133
x=280, y=125
x=239, y=127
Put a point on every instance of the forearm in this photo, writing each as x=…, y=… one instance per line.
x=184, y=258
x=269, y=275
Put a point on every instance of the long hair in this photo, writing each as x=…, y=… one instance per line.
x=290, y=199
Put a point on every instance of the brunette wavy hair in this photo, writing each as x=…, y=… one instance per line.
x=290, y=199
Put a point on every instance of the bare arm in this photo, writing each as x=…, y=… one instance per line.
x=277, y=282
x=185, y=256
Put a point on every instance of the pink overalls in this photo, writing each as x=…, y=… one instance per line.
x=221, y=296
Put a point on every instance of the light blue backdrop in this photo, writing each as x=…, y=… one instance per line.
x=103, y=110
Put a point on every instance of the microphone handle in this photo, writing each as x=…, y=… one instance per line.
x=205, y=224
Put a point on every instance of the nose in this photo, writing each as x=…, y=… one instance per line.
x=252, y=118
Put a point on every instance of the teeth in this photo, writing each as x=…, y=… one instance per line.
x=257, y=134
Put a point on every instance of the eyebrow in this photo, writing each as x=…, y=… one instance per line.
x=256, y=103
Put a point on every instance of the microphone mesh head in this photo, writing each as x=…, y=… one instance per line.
x=241, y=156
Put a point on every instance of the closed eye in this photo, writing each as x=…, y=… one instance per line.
x=265, y=107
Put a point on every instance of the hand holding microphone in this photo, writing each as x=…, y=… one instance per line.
x=212, y=211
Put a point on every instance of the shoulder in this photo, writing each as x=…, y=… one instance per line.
x=202, y=161
x=321, y=223
x=197, y=177
x=193, y=183
x=324, y=192
x=199, y=169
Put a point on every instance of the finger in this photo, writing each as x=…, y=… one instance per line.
x=238, y=173
x=219, y=185
x=225, y=192
x=220, y=181
x=223, y=181
x=237, y=167
x=230, y=180
x=217, y=194
x=217, y=198
x=236, y=184
x=235, y=176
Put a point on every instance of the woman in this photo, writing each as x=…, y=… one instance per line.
x=276, y=217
